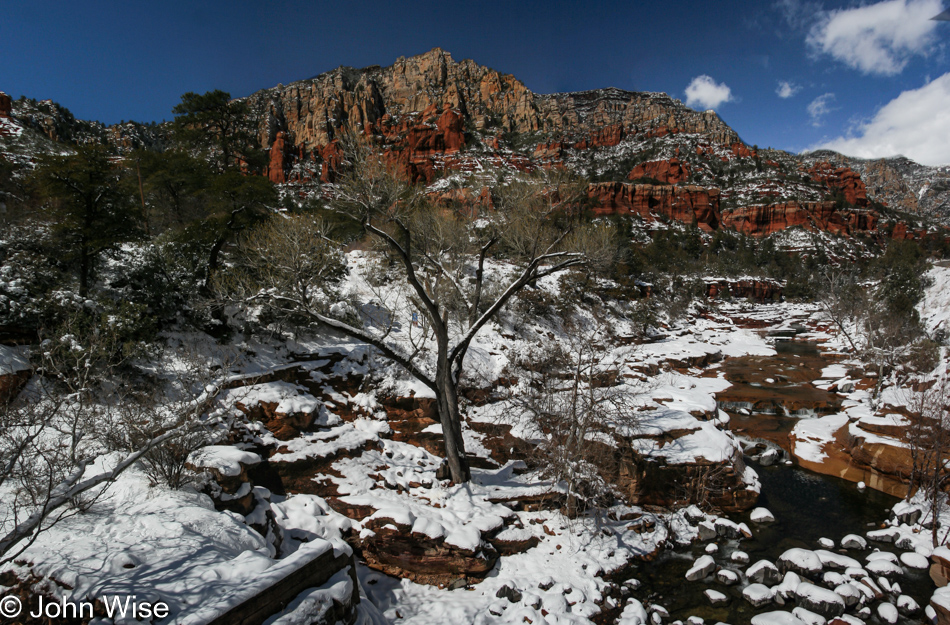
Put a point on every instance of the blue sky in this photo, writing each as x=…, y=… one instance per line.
x=847, y=64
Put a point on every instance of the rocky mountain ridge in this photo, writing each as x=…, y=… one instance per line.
x=436, y=117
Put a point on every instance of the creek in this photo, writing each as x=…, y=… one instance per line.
x=769, y=395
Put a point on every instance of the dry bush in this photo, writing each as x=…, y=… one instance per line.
x=579, y=409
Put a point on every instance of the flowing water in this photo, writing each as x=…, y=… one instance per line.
x=769, y=395
x=807, y=507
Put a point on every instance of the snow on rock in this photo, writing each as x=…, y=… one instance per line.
x=906, y=605
x=633, y=614
x=788, y=586
x=731, y=529
x=715, y=597
x=914, y=560
x=739, y=557
x=776, y=618
x=886, y=535
x=758, y=594
x=764, y=572
x=702, y=568
x=762, y=515
x=827, y=543
x=801, y=561
x=853, y=541
x=810, y=437
x=226, y=460
x=808, y=617
x=836, y=561
x=727, y=577
x=887, y=612
x=884, y=567
x=849, y=592
x=819, y=600
x=201, y=562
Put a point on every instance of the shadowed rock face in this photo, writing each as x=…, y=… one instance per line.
x=763, y=220
x=6, y=105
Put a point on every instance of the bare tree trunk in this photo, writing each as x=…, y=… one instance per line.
x=448, y=405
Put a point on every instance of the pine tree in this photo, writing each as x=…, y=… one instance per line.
x=91, y=213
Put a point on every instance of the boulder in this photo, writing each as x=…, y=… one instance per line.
x=707, y=531
x=802, y=561
x=764, y=572
x=776, y=618
x=396, y=550
x=758, y=595
x=808, y=617
x=940, y=569
x=887, y=613
x=703, y=567
x=820, y=600
x=907, y=606
x=853, y=541
x=715, y=597
x=848, y=592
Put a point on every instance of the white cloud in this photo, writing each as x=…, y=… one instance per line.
x=915, y=124
x=706, y=93
x=820, y=107
x=787, y=89
x=877, y=38
x=799, y=14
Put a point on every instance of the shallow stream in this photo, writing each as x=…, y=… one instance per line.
x=768, y=396
x=807, y=506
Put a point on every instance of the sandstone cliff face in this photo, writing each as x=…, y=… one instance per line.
x=684, y=203
x=416, y=91
x=671, y=171
x=760, y=221
x=843, y=180
x=6, y=105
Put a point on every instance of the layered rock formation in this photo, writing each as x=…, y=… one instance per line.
x=390, y=101
x=689, y=204
x=763, y=220
x=842, y=180
x=315, y=111
x=672, y=171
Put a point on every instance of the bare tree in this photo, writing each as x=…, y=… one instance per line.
x=448, y=257
x=57, y=439
x=843, y=299
x=928, y=438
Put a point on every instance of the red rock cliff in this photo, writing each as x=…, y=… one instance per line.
x=672, y=171
x=760, y=221
x=683, y=203
x=842, y=180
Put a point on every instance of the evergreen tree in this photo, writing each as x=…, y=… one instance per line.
x=218, y=128
x=91, y=213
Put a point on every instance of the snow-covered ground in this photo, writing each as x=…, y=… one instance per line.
x=175, y=546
